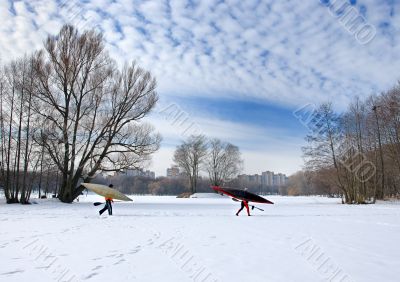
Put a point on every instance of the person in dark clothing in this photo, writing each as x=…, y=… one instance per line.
x=108, y=205
x=242, y=205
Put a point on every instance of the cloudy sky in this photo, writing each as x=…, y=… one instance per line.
x=233, y=69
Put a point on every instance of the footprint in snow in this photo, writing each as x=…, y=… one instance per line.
x=120, y=261
x=135, y=250
x=3, y=245
x=91, y=275
x=97, y=267
x=12, y=272
x=151, y=241
x=96, y=258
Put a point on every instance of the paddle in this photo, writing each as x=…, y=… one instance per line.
x=252, y=207
x=98, y=203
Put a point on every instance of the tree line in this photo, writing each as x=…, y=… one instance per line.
x=139, y=185
x=68, y=111
x=220, y=160
x=354, y=154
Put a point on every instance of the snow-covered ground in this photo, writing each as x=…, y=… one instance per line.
x=200, y=239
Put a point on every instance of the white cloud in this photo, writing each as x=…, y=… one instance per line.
x=215, y=48
x=284, y=52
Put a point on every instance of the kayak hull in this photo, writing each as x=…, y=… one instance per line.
x=241, y=195
x=106, y=191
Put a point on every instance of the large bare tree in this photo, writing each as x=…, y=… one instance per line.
x=189, y=156
x=223, y=161
x=91, y=111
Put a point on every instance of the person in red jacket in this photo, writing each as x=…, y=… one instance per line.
x=108, y=205
x=242, y=205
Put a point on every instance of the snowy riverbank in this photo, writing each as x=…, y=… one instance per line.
x=200, y=239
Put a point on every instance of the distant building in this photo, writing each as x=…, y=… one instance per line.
x=252, y=179
x=150, y=174
x=132, y=172
x=173, y=172
x=255, y=179
x=282, y=179
x=243, y=178
x=266, y=179
x=277, y=180
x=139, y=173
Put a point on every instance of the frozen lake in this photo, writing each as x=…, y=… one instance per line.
x=170, y=239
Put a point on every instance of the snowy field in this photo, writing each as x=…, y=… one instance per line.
x=170, y=239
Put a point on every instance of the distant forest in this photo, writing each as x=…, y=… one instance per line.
x=356, y=153
x=138, y=185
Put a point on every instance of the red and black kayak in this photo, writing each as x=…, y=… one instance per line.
x=241, y=195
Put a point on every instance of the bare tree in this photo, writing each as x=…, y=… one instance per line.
x=8, y=101
x=322, y=153
x=18, y=161
x=297, y=185
x=91, y=111
x=387, y=131
x=189, y=156
x=223, y=161
x=3, y=139
x=362, y=152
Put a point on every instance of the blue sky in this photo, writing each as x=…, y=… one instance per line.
x=238, y=69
